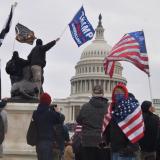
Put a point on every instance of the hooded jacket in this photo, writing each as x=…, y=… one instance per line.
x=114, y=135
x=45, y=118
x=152, y=129
x=91, y=117
x=38, y=54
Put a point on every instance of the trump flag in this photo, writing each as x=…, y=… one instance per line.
x=80, y=28
x=130, y=48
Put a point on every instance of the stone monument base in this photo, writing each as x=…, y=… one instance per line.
x=15, y=146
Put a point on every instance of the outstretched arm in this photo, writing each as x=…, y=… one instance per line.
x=49, y=45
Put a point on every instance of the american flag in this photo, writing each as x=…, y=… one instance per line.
x=128, y=116
x=7, y=25
x=130, y=48
x=24, y=35
x=107, y=118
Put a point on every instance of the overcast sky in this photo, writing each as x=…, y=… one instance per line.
x=48, y=19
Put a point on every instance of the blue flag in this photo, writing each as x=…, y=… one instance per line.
x=80, y=28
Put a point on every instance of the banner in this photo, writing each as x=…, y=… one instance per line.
x=24, y=35
x=131, y=48
x=80, y=28
x=7, y=25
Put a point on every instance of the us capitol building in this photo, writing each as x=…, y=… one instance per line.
x=89, y=71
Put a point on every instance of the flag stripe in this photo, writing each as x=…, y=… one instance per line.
x=139, y=125
x=138, y=109
x=136, y=133
x=136, y=118
x=129, y=49
x=137, y=138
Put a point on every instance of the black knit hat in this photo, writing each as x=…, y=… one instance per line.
x=39, y=42
x=146, y=105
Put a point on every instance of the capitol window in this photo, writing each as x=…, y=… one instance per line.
x=93, y=69
x=97, y=69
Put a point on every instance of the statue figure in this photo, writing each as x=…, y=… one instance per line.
x=21, y=78
x=27, y=75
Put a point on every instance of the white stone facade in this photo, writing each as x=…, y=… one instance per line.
x=156, y=104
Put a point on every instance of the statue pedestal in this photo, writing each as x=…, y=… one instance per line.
x=15, y=146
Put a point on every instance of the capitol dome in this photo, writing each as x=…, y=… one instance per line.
x=90, y=70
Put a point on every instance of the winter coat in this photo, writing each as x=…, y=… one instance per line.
x=117, y=139
x=151, y=134
x=91, y=118
x=45, y=119
x=38, y=54
x=61, y=135
x=20, y=63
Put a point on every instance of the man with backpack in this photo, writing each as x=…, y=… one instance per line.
x=45, y=119
x=3, y=124
x=61, y=135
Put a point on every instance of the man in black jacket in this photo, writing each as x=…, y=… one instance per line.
x=15, y=67
x=91, y=118
x=45, y=119
x=37, y=60
x=151, y=134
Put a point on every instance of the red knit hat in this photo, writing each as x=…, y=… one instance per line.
x=123, y=87
x=45, y=98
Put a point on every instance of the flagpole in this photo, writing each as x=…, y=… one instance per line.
x=63, y=31
x=13, y=44
x=0, y=82
x=150, y=88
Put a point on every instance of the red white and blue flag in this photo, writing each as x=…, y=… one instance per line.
x=80, y=28
x=128, y=116
x=130, y=48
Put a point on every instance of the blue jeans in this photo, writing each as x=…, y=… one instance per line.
x=117, y=156
x=44, y=150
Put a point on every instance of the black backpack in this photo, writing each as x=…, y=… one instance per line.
x=32, y=133
x=1, y=130
x=11, y=67
x=77, y=142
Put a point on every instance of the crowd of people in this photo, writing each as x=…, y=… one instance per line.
x=90, y=141
x=98, y=132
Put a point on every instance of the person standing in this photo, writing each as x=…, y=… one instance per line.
x=14, y=67
x=37, y=60
x=4, y=125
x=91, y=118
x=121, y=147
x=45, y=119
x=151, y=134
